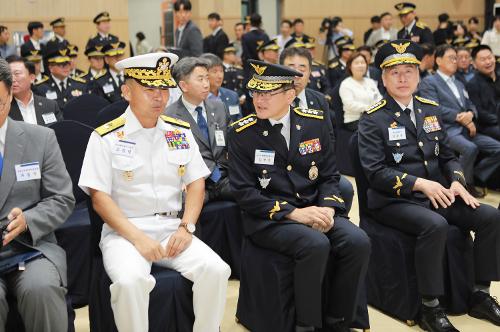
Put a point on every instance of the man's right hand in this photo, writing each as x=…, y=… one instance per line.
x=150, y=249
x=472, y=129
x=317, y=217
x=437, y=194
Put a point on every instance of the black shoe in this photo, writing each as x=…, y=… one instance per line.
x=484, y=306
x=434, y=319
x=476, y=193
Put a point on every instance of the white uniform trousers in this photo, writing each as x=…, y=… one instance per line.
x=132, y=281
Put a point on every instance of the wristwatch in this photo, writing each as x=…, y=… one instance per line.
x=191, y=228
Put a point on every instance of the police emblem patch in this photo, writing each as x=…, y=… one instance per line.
x=398, y=157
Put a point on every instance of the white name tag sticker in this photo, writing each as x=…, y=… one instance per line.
x=124, y=148
x=264, y=157
x=234, y=110
x=28, y=171
x=219, y=138
x=108, y=88
x=396, y=134
x=49, y=118
x=51, y=95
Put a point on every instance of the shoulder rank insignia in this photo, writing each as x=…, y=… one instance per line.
x=318, y=63
x=334, y=64
x=421, y=25
x=376, y=106
x=426, y=101
x=309, y=113
x=174, y=121
x=79, y=79
x=110, y=126
x=244, y=123
x=100, y=74
x=44, y=79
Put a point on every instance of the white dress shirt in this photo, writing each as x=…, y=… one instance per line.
x=192, y=109
x=450, y=81
x=58, y=82
x=28, y=111
x=412, y=111
x=3, y=132
x=285, y=130
x=116, y=76
x=35, y=43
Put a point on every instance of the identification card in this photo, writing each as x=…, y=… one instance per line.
x=108, y=88
x=124, y=148
x=51, y=95
x=396, y=134
x=28, y=171
x=219, y=138
x=234, y=110
x=49, y=118
x=264, y=157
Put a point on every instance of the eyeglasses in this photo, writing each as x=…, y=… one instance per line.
x=265, y=95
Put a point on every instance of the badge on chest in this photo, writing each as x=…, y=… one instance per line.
x=264, y=157
x=310, y=146
x=397, y=133
x=176, y=140
x=431, y=124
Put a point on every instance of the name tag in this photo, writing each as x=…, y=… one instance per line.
x=124, y=148
x=264, y=157
x=51, y=95
x=396, y=134
x=49, y=118
x=108, y=88
x=28, y=171
x=219, y=138
x=234, y=110
x=316, y=74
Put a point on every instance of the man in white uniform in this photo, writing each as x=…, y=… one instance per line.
x=134, y=170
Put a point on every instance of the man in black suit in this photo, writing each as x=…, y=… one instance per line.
x=188, y=37
x=254, y=38
x=217, y=41
x=103, y=25
x=209, y=120
x=300, y=59
x=35, y=29
x=25, y=105
x=412, y=28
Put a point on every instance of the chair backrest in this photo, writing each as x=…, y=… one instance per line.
x=73, y=137
x=84, y=109
x=362, y=183
x=111, y=112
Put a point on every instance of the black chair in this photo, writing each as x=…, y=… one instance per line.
x=84, y=109
x=391, y=278
x=111, y=112
x=266, y=298
x=170, y=302
x=342, y=135
x=221, y=229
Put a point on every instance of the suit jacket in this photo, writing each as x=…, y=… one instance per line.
x=376, y=35
x=216, y=44
x=250, y=41
x=99, y=40
x=42, y=106
x=419, y=30
x=28, y=46
x=49, y=89
x=217, y=119
x=46, y=202
x=191, y=42
x=435, y=88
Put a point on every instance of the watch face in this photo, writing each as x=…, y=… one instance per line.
x=190, y=228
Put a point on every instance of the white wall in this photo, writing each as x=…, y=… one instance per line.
x=268, y=9
x=145, y=16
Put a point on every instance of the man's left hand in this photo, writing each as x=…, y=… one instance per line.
x=458, y=190
x=16, y=226
x=178, y=242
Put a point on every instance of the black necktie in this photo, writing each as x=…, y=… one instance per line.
x=277, y=127
x=63, y=88
x=296, y=102
x=407, y=111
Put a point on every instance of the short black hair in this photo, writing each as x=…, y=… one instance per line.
x=473, y=19
x=186, y=5
x=384, y=14
x=3, y=28
x=5, y=74
x=444, y=17
x=185, y=67
x=365, y=48
x=255, y=20
x=442, y=49
x=298, y=20
x=293, y=51
x=478, y=49
x=287, y=22
x=427, y=49
x=140, y=36
x=30, y=66
x=462, y=48
x=375, y=19
x=34, y=25
x=214, y=16
x=239, y=23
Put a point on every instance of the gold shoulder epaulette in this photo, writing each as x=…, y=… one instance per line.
x=174, y=121
x=83, y=74
x=238, y=67
x=333, y=65
x=79, y=79
x=318, y=63
x=375, y=107
x=244, y=123
x=45, y=78
x=243, y=118
x=421, y=25
x=309, y=113
x=110, y=126
x=100, y=74
x=426, y=101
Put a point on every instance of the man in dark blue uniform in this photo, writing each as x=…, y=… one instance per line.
x=337, y=66
x=103, y=25
x=412, y=28
x=254, y=38
x=283, y=175
x=417, y=186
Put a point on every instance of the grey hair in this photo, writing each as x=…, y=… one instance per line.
x=5, y=74
x=185, y=67
x=213, y=60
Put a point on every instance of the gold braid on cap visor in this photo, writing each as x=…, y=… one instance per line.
x=397, y=59
x=268, y=83
x=159, y=77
